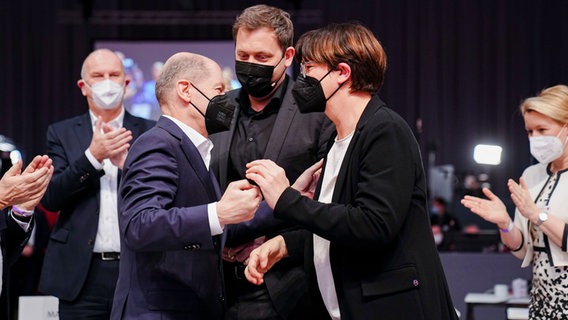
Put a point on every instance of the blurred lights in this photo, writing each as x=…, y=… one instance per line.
x=487, y=154
x=15, y=156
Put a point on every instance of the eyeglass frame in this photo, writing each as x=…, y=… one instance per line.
x=303, y=67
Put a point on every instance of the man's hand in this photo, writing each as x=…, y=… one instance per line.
x=238, y=203
x=119, y=158
x=263, y=258
x=110, y=143
x=270, y=178
x=26, y=189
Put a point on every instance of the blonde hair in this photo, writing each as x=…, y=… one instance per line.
x=551, y=102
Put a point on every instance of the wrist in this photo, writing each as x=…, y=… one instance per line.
x=541, y=218
x=22, y=212
x=508, y=228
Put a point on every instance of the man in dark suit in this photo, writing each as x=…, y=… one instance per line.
x=171, y=218
x=368, y=247
x=267, y=125
x=20, y=192
x=88, y=152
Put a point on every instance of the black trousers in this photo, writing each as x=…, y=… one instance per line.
x=95, y=299
x=246, y=301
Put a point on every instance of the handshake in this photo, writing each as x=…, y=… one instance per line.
x=265, y=179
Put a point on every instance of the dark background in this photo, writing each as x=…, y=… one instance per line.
x=460, y=66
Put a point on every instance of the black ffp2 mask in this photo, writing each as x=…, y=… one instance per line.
x=255, y=78
x=219, y=113
x=309, y=95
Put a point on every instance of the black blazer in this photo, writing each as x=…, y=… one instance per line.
x=74, y=192
x=296, y=142
x=383, y=258
x=12, y=238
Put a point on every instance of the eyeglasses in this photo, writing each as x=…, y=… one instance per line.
x=303, y=66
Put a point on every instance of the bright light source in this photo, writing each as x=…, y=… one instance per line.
x=15, y=156
x=487, y=154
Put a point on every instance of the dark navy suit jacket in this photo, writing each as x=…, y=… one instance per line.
x=74, y=192
x=170, y=266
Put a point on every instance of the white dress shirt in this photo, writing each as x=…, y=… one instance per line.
x=108, y=234
x=321, y=245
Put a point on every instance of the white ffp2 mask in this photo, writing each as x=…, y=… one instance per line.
x=546, y=149
x=107, y=94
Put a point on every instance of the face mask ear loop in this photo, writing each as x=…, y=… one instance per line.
x=281, y=75
x=558, y=136
x=339, y=87
x=197, y=109
x=206, y=97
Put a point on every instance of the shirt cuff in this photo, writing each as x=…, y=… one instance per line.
x=214, y=223
x=93, y=160
x=25, y=225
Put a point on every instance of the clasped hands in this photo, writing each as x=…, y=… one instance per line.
x=271, y=179
x=110, y=143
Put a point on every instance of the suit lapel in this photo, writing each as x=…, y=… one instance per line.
x=288, y=110
x=132, y=124
x=372, y=107
x=191, y=153
x=221, y=148
x=84, y=131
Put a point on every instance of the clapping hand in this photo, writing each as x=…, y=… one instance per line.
x=491, y=209
x=110, y=143
x=26, y=188
x=522, y=199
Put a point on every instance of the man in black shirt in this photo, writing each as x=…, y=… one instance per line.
x=268, y=125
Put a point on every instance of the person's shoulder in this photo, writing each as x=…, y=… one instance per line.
x=65, y=123
x=379, y=114
x=148, y=124
x=141, y=124
x=137, y=119
x=151, y=138
x=233, y=93
x=535, y=171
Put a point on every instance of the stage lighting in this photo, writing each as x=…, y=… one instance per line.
x=487, y=154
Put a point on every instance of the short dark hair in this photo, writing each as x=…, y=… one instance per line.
x=351, y=43
x=266, y=16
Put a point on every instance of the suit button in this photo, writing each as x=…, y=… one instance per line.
x=221, y=298
x=415, y=283
x=84, y=177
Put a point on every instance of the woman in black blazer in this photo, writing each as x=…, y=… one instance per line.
x=367, y=241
